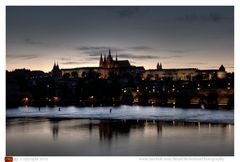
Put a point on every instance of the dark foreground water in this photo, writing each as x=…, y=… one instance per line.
x=41, y=136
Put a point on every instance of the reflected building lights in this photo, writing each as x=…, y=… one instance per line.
x=173, y=122
x=199, y=127
x=209, y=128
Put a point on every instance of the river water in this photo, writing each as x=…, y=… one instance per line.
x=126, y=130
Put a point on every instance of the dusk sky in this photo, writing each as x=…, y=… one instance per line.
x=178, y=37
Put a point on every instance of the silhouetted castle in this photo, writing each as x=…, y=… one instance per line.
x=108, y=65
x=184, y=73
x=108, y=62
x=56, y=72
x=159, y=66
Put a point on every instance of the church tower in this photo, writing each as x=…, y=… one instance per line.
x=105, y=61
x=101, y=61
x=56, y=72
x=222, y=68
x=109, y=60
x=159, y=66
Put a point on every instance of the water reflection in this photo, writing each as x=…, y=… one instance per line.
x=109, y=129
x=55, y=128
x=117, y=137
x=159, y=128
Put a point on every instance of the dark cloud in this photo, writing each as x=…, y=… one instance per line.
x=211, y=17
x=215, y=17
x=128, y=11
x=175, y=51
x=23, y=57
x=97, y=50
x=91, y=48
x=141, y=48
x=75, y=62
x=133, y=56
x=70, y=63
x=94, y=58
x=30, y=41
x=180, y=51
x=125, y=56
x=65, y=59
x=126, y=53
x=170, y=57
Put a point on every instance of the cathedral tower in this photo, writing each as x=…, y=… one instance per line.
x=101, y=61
x=159, y=66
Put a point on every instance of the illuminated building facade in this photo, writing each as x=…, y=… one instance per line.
x=185, y=74
x=108, y=62
x=109, y=65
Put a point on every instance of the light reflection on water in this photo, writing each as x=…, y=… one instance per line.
x=37, y=136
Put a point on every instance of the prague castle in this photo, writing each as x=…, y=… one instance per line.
x=108, y=62
x=108, y=65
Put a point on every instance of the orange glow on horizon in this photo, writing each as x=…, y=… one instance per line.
x=48, y=68
x=46, y=64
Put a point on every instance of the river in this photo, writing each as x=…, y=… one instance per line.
x=126, y=130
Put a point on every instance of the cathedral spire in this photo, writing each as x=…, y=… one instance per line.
x=222, y=68
x=104, y=59
x=109, y=52
x=109, y=58
x=101, y=61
